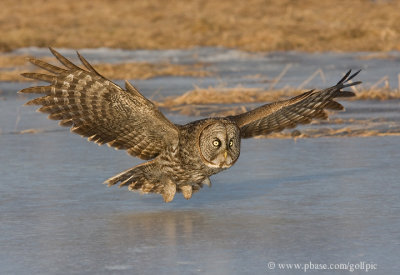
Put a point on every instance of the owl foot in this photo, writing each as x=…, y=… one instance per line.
x=187, y=191
x=206, y=182
x=169, y=191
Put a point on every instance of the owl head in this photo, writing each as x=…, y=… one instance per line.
x=219, y=144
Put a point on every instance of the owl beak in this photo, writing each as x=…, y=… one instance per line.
x=225, y=154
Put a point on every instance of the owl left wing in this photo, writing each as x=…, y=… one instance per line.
x=100, y=110
x=275, y=117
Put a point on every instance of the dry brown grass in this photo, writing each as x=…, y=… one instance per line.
x=192, y=102
x=214, y=101
x=13, y=65
x=377, y=94
x=216, y=95
x=253, y=25
x=329, y=132
x=144, y=70
x=220, y=95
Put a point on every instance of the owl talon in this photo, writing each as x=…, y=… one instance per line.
x=206, y=182
x=169, y=191
x=187, y=191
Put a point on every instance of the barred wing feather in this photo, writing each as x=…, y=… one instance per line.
x=100, y=110
x=275, y=117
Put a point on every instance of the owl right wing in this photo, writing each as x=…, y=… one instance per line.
x=275, y=117
x=96, y=108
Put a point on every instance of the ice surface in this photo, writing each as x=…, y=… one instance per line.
x=325, y=200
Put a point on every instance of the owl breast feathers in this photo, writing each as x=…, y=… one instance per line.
x=181, y=157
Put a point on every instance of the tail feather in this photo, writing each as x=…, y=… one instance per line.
x=144, y=177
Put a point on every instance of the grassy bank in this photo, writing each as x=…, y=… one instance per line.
x=13, y=65
x=254, y=25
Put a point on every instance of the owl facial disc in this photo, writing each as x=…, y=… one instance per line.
x=219, y=144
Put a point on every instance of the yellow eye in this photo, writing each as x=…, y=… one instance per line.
x=216, y=143
x=230, y=143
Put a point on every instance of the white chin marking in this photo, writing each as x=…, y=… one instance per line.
x=213, y=165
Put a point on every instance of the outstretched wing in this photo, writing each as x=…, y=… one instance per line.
x=275, y=117
x=96, y=108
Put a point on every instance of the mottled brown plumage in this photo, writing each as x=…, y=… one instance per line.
x=182, y=157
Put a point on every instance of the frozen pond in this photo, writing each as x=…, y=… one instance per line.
x=329, y=200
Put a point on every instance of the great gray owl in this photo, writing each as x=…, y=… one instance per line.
x=182, y=157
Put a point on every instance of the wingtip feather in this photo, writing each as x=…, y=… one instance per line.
x=87, y=64
x=38, y=76
x=353, y=75
x=343, y=79
x=67, y=63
